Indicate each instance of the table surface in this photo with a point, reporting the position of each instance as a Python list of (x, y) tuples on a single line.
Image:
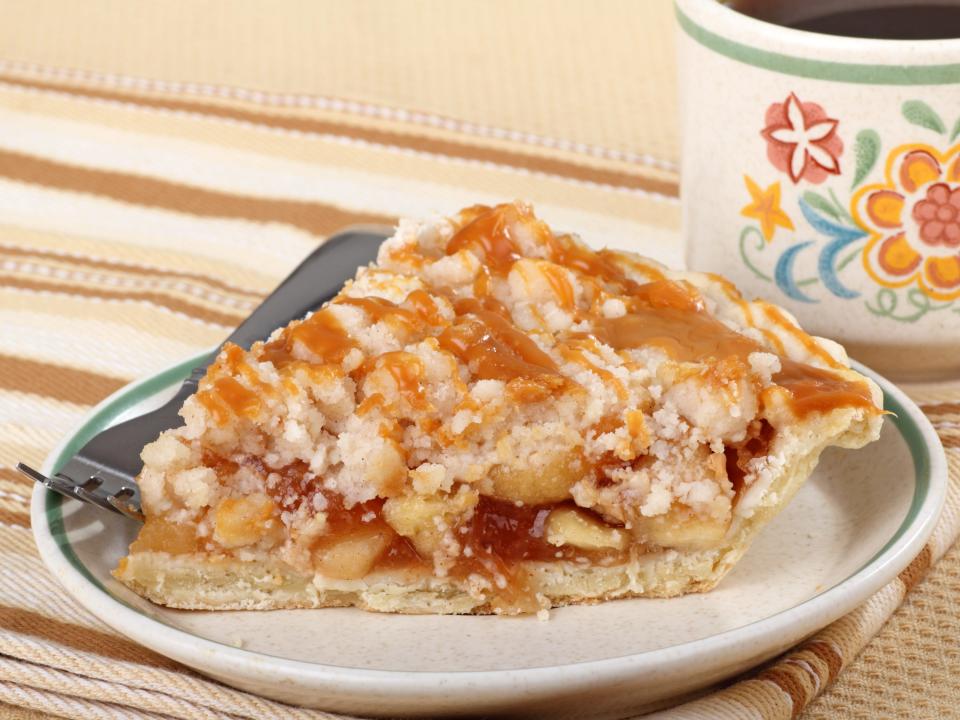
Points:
[(592, 76)]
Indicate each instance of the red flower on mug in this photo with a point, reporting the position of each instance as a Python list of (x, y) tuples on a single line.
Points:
[(802, 141)]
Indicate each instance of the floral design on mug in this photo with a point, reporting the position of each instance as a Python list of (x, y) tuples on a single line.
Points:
[(913, 219), (903, 229), (764, 206), (802, 140)]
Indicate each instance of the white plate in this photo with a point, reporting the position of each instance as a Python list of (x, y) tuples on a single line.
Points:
[(857, 522)]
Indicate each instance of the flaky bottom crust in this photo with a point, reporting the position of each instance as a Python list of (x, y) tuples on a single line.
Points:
[(200, 582)]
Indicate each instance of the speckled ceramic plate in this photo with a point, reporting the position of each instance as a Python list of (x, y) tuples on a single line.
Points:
[(856, 523)]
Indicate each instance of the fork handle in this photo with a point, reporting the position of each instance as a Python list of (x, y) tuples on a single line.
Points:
[(315, 280), (306, 288), (303, 290)]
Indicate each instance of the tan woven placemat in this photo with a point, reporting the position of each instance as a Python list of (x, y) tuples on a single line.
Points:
[(162, 166)]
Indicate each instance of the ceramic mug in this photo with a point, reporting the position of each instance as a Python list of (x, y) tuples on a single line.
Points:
[(823, 174)]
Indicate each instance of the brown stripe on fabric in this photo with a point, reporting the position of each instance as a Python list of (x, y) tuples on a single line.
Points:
[(14, 476), (20, 519), (827, 652), (917, 569), (130, 269), (950, 441), (14, 496), (56, 381), (788, 682), (58, 632), (316, 218), (18, 712), (449, 148), (227, 319), (940, 408)]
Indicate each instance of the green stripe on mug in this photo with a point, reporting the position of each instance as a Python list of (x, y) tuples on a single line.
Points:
[(821, 69)]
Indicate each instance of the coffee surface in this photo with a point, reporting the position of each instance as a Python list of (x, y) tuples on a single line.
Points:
[(906, 21)]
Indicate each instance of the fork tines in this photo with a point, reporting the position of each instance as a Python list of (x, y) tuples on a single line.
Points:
[(90, 491)]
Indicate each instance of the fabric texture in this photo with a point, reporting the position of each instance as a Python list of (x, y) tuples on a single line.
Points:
[(163, 166)]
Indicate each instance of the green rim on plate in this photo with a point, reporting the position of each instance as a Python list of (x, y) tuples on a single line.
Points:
[(863, 73), (101, 420)]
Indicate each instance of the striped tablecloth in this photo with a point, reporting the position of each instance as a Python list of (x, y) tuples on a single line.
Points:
[(163, 166)]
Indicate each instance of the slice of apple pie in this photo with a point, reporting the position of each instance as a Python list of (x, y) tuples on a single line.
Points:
[(492, 418)]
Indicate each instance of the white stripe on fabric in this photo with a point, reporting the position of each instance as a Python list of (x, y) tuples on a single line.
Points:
[(114, 349)]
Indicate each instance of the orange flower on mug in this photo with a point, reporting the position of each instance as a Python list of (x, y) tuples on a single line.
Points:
[(914, 221), (802, 141)]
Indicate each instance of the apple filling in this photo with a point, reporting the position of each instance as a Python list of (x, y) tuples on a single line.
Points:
[(528, 518)]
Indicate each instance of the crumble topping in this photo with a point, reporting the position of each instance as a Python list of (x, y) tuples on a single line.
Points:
[(484, 363)]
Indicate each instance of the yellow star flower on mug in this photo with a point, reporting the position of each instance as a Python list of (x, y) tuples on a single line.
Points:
[(765, 207)]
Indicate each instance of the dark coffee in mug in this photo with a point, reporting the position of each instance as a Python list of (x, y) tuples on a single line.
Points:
[(881, 19)]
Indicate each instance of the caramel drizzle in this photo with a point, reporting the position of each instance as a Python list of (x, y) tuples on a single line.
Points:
[(661, 313), (417, 309), (730, 290), (321, 334), (406, 369), (490, 235), (808, 342), (557, 279), (574, 354), (485, 340)]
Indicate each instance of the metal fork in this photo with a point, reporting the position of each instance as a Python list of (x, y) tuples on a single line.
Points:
[(103, 471)]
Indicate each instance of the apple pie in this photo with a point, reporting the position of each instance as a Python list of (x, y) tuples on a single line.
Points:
[(492, 418)]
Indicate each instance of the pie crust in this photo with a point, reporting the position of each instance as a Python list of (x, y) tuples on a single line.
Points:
[(492, 417)]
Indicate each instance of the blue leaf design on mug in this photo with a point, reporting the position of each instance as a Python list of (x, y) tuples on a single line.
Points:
[(841, 238), (783, 273)]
